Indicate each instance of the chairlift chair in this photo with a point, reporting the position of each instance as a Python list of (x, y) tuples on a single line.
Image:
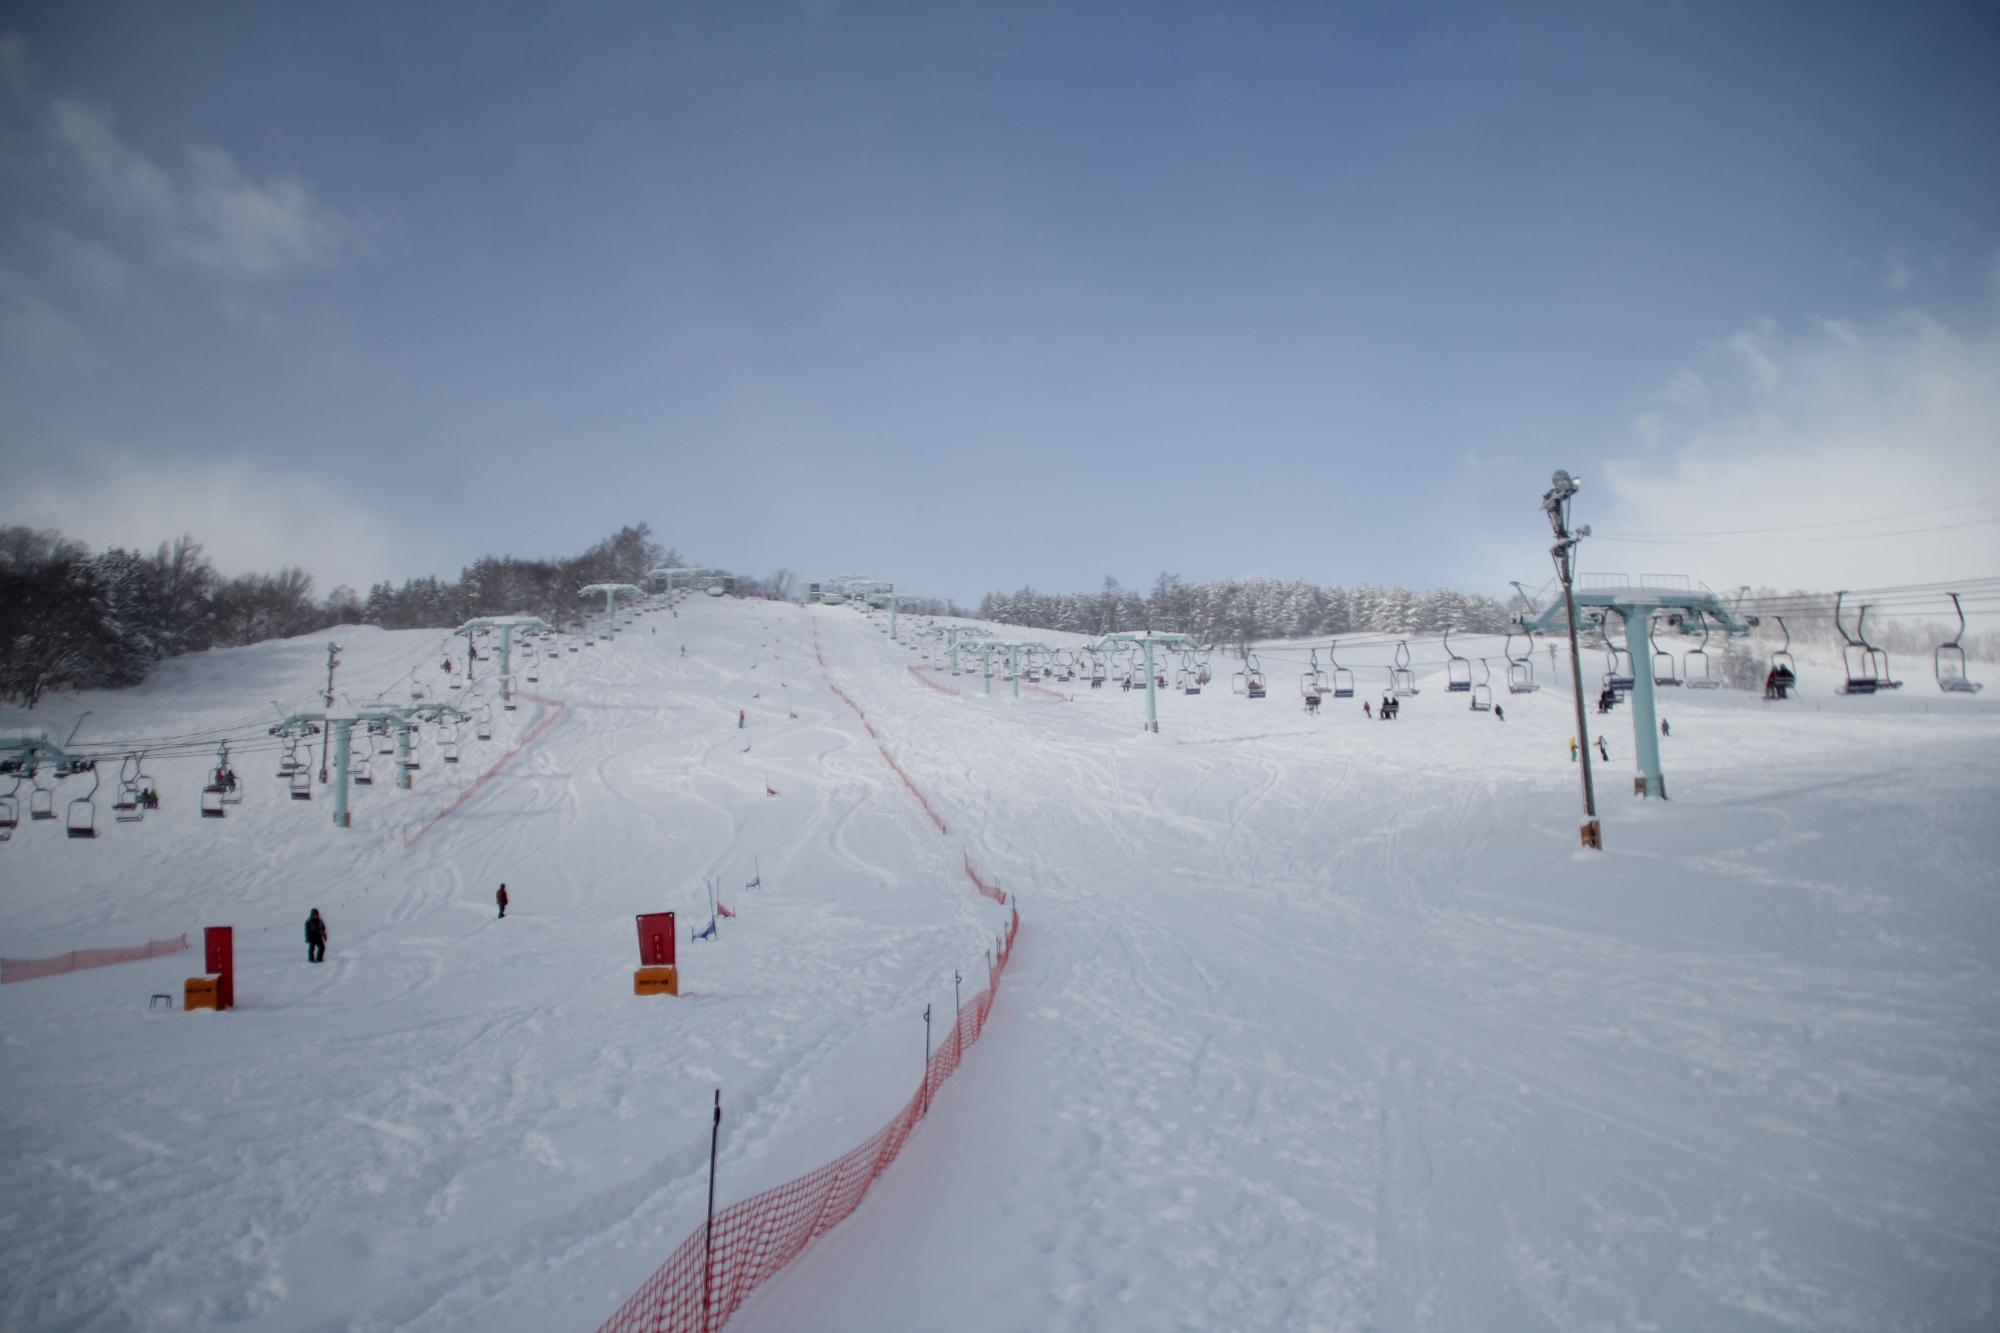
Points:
[(484, 728), (1312, 681), (1620, 676), (41, 800), (81, 820), (1857, 663), (1402, 680), (125, 807), (1664, 665), (1878, 657), (211, 803), (1949, 658), (1457, 670), (1520, 670), (1699, 671), (1343, 679), (1482, 693), (1784, 674), (302, 779), (362, 771), (10, 811)]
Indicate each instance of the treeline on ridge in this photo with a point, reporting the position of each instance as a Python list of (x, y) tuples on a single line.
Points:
[(71, 619)]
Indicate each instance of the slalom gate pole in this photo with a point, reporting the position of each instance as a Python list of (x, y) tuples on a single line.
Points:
[(708, 1238), (927, 1061), (955, 979)]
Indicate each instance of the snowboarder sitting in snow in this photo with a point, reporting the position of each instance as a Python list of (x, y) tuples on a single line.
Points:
[(315, 937)]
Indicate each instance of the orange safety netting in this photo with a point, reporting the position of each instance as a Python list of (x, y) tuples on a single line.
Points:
[(888, 759), (993, 891), (29, 969), (707, 1278), (1046, 694), (533, 733), (922, 679)]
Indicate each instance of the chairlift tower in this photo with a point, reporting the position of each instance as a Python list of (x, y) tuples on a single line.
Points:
[(339, 728), (506, 625), (1636, 603), (953, 633), (611, 592), (1147, 642), (1013, 649)]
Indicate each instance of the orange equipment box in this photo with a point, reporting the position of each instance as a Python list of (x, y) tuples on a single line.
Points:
[(654, 981), (201, 992)]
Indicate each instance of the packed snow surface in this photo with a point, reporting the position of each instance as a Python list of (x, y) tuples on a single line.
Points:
[(1315, 1022)]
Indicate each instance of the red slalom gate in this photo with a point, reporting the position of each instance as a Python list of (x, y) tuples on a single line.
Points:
[(31, 969), (709, 1275)]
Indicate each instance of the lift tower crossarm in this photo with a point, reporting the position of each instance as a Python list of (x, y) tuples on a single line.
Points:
[(1636, 604), (953, 633), (339, 728), (1148, 641), (1013, 648), (506, 625), (611, 591)]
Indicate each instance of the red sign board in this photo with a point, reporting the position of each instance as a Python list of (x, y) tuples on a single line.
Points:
[(219, 958), (656, 939)]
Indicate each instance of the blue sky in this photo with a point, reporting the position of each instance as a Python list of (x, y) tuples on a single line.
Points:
[(971, 296)]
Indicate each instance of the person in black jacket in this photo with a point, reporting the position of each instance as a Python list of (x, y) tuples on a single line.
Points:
[(315, 937)]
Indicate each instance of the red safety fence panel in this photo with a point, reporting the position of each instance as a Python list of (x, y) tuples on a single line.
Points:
[(922, 800), (993, 891), (702, 1284), (922, 679), (1047, 694), (897, 768), (480, 782), (30, 969)]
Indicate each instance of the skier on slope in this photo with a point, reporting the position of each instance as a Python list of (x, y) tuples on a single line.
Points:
[(1603, 751), (501, 898), (316, 937), (1665, 730)]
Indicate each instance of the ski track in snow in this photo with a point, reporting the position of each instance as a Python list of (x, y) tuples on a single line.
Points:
[(1317, 1023)]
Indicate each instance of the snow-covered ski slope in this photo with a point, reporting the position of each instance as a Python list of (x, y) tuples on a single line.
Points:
[(1315, 1023)]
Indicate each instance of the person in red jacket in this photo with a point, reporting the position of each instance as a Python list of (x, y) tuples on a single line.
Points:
[(501, 898)]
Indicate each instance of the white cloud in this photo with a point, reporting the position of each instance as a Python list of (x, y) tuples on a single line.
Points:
[(84, 260), (1897, 274), (243, 229), (112, 172), (210, 215), (1841, 420), (1685, 389), (34, 334), (253, 515)]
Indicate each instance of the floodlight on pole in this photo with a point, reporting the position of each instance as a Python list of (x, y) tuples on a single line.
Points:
[(1555, 503)]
